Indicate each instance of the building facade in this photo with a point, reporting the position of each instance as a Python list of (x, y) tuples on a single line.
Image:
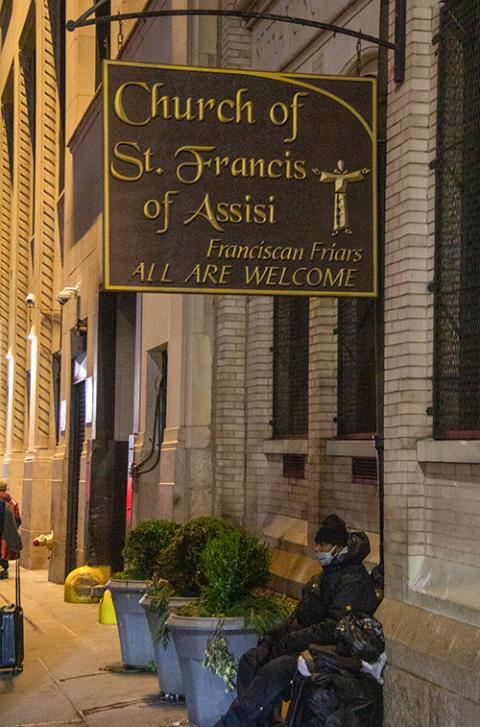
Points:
[(271, 411)]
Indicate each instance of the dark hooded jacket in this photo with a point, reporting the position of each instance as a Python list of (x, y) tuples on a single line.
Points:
[(10, 541), (342, 587)]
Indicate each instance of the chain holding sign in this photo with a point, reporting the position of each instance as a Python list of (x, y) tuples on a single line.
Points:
[(229, 181)]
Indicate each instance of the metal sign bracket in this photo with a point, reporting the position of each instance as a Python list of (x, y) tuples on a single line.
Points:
[(89, 18)]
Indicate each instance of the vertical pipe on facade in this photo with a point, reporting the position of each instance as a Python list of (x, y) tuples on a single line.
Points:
[(382, 90)]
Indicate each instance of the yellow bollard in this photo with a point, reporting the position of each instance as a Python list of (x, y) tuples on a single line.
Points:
[(79, 584), (106, 610)]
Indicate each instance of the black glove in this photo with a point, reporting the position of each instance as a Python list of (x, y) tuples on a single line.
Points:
[(292, 643)]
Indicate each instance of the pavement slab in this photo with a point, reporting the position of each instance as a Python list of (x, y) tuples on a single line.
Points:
[(66, 678)]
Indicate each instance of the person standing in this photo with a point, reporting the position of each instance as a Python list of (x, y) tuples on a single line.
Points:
[(10, 541)]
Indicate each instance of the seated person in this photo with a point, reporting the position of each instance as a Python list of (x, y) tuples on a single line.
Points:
[(265, 673), (343, 687)]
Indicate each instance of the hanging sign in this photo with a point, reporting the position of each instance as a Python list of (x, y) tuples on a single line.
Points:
[(239, 181)]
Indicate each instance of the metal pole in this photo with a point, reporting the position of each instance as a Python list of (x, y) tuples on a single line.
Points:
[(400, 30), (382, 88)]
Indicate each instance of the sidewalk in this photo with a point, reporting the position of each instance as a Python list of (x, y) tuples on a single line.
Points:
[(64, 681)]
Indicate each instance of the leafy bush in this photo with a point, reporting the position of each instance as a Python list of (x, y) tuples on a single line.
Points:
[(143, 545), (263, 610), (234, 563), (260, 609), (180, 563)]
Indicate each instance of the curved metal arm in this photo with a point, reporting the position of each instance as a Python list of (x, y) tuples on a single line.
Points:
[(86, 19)]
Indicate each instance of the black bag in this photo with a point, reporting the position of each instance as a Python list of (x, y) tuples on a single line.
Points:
[(336, 697), (361, 636), (11, 628)]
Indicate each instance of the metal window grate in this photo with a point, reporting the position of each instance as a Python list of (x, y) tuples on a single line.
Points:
[(356, 367), (364, 470), (290, 366), (457, 244), (294, 466)]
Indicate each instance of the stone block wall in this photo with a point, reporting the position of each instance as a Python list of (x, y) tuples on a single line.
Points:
[(249, 480)]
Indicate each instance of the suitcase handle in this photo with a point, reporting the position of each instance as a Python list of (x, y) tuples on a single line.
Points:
[(17, 582)]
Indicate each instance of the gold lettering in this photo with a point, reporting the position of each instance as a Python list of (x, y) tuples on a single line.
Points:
[(140, 271), (256, 275), (164, 277), (197, 163), (205, 210), (221, 117), (128, 159), (216, 274), (243, 106), (203, 106), (294, 277), (150, 272), (154, 208), (119, 107), (279, 114)]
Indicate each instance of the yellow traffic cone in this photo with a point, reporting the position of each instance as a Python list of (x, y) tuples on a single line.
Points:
[(106, 611)]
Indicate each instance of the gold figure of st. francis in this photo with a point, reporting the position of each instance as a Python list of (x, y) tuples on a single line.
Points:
[(341, 177)]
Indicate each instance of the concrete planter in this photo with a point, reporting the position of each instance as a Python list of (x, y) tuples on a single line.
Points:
[(205, 693), (135, 640), (168, 668)]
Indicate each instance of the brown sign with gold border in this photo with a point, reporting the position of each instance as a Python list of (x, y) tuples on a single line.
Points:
[(237, 181)]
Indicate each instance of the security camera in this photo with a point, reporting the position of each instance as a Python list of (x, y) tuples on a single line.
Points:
[(30, 300), (66, 294)]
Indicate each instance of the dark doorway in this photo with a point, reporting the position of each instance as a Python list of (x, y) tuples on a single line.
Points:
[(107, 504), (77, 436)]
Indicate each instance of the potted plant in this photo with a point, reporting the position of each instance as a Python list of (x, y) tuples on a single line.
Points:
[(142, 546), (177, 582), (232, 610)]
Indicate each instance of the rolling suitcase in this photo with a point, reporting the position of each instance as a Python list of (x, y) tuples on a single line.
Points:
[(11, 631)]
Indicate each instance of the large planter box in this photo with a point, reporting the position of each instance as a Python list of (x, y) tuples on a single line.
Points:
[(166, 660), (205, 693), (135, 640)]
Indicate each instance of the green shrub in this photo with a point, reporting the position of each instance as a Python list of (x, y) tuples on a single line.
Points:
[(262, 610), (143, 545), (234, 563), (180, 563)]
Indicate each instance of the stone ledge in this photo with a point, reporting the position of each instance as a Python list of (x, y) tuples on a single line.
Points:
[(437, 649), (351, 448), (290, 571), (464, 451), (285, 446), (284, 532)]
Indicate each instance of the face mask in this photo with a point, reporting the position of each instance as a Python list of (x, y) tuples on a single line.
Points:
[(325, 558)]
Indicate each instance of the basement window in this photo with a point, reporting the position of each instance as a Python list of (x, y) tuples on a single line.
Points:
[(364, 470), (294, 466)]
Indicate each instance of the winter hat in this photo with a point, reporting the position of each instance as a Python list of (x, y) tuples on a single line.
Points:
[(3, 485), (332, 530)]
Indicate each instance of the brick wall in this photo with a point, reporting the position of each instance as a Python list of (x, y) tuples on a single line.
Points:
[(249, 480), (408, 262)]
